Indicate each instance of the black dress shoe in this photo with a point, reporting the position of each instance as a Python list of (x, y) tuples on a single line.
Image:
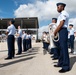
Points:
[(18, 53), (54, 58), (8, 58), (57, 66), (13, 56), (63, 71)]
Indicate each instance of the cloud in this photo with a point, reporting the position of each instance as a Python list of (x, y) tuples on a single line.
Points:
[(44, 10), (40, 9), (41, 30), (16, 3)]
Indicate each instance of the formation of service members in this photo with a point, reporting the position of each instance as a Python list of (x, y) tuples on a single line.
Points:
[(62, 23), (60, 51), (21, 37), (11, 39)]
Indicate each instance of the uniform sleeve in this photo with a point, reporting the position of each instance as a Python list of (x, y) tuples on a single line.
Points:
[(63, 17), (8, 29), (19, 31)]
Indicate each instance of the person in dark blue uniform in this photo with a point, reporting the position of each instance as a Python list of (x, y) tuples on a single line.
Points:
[(72, 37), (11, 39), (43, 39), (19, 41), (62, 24), (30, 41), (27, 41), (54, 50), (68, 38)]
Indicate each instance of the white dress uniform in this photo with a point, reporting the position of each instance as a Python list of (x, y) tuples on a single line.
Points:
[(19, 41), (71, 33), (30, 41), (11, 29), (24, 42), (63, 16), (10, 40), (63, 38), (20, 33)]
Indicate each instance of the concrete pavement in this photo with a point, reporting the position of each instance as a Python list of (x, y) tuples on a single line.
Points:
[(32, 62)]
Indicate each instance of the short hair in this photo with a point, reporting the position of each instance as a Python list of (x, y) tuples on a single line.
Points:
[(54, 19), (71, 25), (12, 21)]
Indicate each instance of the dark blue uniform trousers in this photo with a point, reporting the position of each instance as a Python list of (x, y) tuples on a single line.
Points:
[(30, 44), (56, 52), (69, 43), (43, 44), (11, 49), (72, 41), (27, 44), (63, 46), (24, 44), (19, 42), (46, 45)]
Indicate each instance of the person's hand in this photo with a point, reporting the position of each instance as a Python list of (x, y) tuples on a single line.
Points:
[(55, 33)]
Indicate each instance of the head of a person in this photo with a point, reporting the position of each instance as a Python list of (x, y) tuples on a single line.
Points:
[(54, 20), (11, 22), (60, 7), (47, 33), (71, 26), (44, 32), (19, 27), (23, 32)]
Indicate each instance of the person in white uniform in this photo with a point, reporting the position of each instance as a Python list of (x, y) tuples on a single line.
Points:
[(62, 24), (24, 41), (19, 40), (71, 33), (11, 30)]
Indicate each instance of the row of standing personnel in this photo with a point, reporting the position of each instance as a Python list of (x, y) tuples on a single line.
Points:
[(22, 37), (60, 51)]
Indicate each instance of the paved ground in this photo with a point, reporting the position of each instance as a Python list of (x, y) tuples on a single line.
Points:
[(32, 62)]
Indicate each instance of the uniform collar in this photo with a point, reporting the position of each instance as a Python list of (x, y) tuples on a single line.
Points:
[(62, 11)]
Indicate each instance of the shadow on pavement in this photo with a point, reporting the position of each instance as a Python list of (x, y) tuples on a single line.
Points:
[(72, 61), (33, 51), (3, 50), (26, 55), (29, 53), (14, 62)]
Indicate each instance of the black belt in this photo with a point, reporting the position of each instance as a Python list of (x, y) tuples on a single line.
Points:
[(63, 28), (10, 35)]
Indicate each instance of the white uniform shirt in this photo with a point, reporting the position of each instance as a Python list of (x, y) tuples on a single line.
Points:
[(11, 30), (27, 36), (63, 16), (44, 36), (71, 31), (20, 33), (24, 36)]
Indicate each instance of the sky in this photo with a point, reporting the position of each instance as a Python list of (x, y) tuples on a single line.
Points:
[(45, 10)]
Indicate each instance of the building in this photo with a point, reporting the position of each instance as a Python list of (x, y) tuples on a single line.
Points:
[(29, 24)]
